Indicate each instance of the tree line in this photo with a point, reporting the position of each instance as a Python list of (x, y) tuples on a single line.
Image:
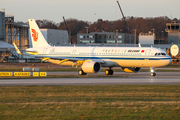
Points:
[(140, 24)]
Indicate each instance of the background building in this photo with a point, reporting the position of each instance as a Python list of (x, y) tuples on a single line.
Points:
[(2, 26), (105, 37), (11, 32), (173, 30), (54, 37), (147, 38)]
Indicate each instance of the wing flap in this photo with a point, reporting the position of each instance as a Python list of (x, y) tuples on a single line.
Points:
[(70, 59)]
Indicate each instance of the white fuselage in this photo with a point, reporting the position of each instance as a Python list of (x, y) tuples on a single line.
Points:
[(111, 56)]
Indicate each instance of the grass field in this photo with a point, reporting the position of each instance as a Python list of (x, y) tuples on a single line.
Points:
[(102, 102)]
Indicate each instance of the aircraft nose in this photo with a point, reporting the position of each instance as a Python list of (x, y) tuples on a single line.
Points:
[(170, 60)]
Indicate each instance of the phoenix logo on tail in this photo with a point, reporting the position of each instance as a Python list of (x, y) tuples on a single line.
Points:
[(34, 35)]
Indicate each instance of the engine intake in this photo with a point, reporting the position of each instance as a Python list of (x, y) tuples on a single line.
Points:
[(91, 67), (131, 69)]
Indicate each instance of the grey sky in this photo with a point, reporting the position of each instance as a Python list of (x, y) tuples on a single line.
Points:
[(90, 10)]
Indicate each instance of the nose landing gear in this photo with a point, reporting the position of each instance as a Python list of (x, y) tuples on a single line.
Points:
[(152, 71)]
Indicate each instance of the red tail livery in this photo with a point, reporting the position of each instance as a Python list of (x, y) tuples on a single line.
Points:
[(34, 35)]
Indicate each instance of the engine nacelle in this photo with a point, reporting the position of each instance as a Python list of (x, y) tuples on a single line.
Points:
[(91, 67), (131, 69)]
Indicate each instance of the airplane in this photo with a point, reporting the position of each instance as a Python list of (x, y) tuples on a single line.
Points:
[(92, 59)]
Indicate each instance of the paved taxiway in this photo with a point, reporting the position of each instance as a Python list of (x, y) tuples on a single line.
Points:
[(141, 78)]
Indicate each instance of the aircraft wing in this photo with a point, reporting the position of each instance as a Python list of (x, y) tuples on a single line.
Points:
[(68, 58), (98, 60), (59, 58)]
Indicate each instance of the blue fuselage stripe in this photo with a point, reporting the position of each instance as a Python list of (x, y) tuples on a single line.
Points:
[(115, 58), (102, 57)]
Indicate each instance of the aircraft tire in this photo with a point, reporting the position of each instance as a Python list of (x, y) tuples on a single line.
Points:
[(109, 72), (153, 74), (81, 72)]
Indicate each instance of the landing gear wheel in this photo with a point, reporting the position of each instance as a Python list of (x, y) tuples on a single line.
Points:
[(153, 74), (109, 72), (81, 72), (152, 71)]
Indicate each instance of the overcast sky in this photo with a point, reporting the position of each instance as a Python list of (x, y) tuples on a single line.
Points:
[(89, 10)]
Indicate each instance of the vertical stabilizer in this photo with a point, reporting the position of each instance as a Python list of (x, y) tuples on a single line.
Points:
[(37, 38)]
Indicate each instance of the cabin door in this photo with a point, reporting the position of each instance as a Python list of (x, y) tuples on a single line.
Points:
[(74, 53), (45, 50), (147, 53)]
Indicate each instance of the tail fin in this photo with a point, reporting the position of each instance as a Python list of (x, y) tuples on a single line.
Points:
[(37, 38)]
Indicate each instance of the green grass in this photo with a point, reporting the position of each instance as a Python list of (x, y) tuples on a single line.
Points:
[(90, 102)]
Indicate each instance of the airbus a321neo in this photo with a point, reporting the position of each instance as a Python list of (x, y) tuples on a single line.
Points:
[(92, 59)]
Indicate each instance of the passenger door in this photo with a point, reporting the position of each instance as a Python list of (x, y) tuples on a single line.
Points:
[(147, 53), (74, 53)]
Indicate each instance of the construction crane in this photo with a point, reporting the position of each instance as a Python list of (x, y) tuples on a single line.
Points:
[(67, 29), (124, 17)]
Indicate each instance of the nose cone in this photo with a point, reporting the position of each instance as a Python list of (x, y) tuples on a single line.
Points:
[(168, 60)]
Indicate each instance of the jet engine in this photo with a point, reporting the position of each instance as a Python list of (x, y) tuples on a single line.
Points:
[(91, 67), (131, 69)]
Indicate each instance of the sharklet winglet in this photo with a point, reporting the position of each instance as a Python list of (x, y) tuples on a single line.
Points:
[(18, 51)]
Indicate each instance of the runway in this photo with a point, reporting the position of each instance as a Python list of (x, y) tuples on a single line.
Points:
[(134, 75), (141, 78)]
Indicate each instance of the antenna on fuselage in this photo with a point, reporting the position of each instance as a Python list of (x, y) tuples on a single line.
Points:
[(139, 44)]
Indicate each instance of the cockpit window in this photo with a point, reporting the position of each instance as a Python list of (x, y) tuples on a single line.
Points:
[(158, 54)]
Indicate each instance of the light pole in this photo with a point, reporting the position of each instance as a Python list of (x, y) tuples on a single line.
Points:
[(135, 37), (116, 37), (153, 35), (162, 34), (153, 30), (87, 29)]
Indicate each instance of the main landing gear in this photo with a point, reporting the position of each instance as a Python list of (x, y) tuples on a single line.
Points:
[(109, 71), (81, 72), (152, 71)]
